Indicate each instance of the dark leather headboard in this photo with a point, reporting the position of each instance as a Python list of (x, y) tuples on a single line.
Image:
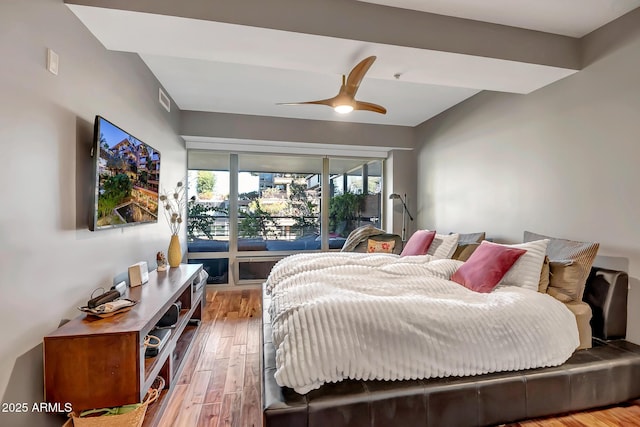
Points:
[(606, 292)]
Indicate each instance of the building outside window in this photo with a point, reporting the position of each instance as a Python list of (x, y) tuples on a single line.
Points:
[(247, 211)]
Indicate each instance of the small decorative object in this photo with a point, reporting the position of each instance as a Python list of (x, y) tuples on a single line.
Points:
[(175, 251), (121, 287), (138, 274), (174, 207), (161, 259)]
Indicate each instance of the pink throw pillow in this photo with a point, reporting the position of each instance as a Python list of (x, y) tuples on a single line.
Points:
[(486, 266), (418, 243)]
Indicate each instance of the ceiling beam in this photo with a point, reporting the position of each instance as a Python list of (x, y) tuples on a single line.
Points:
[(372, 23), (196, 125)]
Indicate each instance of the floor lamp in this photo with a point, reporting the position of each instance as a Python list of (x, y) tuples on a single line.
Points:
[(405, 212)]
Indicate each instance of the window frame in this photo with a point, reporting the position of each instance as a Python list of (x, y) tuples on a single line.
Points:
[(236, 256)]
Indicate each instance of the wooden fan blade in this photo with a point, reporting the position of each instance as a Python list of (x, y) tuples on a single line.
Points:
[(357, 74), (368, 106), (330, 102)]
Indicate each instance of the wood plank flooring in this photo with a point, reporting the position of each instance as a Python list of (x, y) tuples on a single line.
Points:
[(220, 385), (627, 415)]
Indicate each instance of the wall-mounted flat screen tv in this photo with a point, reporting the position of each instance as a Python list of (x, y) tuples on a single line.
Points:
[(127, 178)]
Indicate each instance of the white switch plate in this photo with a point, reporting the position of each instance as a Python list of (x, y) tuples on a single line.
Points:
[(52, 62)]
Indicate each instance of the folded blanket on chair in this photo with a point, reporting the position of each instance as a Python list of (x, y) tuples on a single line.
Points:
[(358, 235)]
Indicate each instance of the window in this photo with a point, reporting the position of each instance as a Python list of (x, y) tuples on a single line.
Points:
[(208, 188), (208, 207), (247, 211), (355, 195), (278, 203)]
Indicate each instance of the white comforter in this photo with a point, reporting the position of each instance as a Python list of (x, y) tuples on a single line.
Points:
[(364, 316)]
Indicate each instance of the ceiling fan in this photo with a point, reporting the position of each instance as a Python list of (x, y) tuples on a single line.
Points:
[(345, 101)]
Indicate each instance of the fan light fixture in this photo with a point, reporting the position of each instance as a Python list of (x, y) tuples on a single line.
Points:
[(343, 109), (345, 102)]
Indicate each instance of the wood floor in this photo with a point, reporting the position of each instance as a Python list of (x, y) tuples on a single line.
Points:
[(627, 415), (220, 385)]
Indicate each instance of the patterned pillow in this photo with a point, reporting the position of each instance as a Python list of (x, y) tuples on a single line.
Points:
[(443, 246), (525, 273), (579, 255), (380, 246)]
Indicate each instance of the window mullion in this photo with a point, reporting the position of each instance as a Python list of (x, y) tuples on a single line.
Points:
[(325, 196), (233, 218)]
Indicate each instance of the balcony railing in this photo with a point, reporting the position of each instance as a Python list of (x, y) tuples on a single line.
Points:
[(273, 228)]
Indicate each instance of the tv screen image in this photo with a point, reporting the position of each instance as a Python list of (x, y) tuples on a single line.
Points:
[(127, 178)]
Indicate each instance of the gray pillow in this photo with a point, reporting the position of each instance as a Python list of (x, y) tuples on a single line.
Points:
[(576, 257), (466, 238)]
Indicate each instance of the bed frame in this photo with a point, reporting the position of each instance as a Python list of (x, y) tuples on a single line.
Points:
[(603, 375)]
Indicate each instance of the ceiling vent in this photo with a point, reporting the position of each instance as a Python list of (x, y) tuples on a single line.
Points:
[(164, 100)]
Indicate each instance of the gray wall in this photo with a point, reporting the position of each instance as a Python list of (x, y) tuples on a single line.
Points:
[(399, 173), (561, 161), (49, 260), (238, 126), (400, 178)]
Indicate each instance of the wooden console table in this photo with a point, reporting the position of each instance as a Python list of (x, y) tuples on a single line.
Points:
[(96, 363)]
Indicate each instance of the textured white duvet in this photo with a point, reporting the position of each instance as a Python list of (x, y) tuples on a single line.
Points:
[(366, 316)]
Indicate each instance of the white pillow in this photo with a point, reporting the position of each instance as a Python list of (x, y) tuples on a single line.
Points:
[(525, 273), (443, 246)]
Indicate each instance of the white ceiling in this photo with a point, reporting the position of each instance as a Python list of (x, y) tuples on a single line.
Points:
[(221, 67), (574, 18)]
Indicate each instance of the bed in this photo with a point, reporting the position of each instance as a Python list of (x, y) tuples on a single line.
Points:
[(565, 381)]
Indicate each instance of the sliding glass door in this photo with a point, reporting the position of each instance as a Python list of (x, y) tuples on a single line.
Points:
[(247, 211), (278, 203)]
